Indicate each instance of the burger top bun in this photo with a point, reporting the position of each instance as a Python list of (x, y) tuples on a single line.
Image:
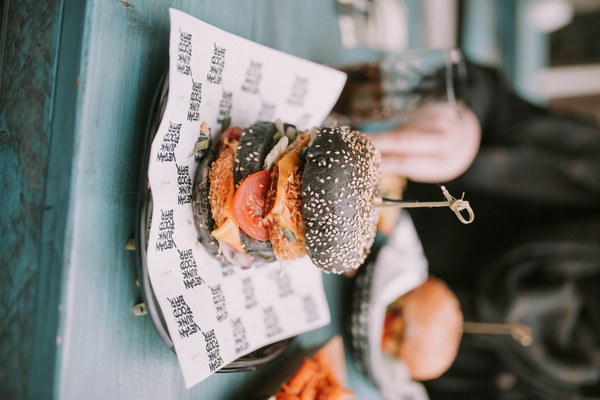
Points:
[(339, 186), (433, 329)]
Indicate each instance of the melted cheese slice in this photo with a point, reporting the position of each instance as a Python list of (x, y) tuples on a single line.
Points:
[(286, 167), (229, 231)]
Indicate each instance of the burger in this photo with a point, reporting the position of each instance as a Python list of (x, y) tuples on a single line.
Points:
[(423, 328), (271, 192)]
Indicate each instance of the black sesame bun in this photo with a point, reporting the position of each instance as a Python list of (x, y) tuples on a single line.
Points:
[(257, 141), (260, 251), (339, 187), (203, 219), (255, 144)]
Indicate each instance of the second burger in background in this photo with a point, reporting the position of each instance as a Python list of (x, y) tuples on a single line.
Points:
[(423, 328)]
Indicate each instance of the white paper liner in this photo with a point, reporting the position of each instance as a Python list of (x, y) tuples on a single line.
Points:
[(215, 314)]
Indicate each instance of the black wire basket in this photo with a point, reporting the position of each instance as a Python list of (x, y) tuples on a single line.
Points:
[(251, 361)]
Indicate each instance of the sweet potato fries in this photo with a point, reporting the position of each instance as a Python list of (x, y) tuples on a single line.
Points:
[(314, 380)]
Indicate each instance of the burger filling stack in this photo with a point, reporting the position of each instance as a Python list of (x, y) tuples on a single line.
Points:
[(270, 192)]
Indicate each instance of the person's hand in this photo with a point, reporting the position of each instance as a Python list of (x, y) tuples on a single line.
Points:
[(436, 144)]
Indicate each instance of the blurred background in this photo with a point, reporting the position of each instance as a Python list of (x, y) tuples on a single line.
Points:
[(77, 81), (549, 52), (548, 49)]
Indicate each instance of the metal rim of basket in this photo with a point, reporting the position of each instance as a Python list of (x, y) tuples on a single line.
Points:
[(359, 323)]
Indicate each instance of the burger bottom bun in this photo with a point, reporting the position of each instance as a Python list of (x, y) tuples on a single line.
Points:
[(433, 329)]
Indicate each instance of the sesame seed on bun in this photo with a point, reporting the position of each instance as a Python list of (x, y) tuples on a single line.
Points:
[(339, 186)]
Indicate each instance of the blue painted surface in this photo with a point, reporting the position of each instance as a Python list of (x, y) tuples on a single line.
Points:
[(69, 195), (34, 193), (497, 33), (416, 33), (480, 31), (531, 55), (507, 36)]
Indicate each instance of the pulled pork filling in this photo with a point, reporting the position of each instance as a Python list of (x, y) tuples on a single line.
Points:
[(283, 208), (221, 190), (284, 203), (288, 244)]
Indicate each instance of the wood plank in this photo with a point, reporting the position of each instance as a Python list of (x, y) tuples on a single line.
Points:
[(30, 36), (111, 57)]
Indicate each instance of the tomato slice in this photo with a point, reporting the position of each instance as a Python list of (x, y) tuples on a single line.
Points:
[(229, 134), (249, 204)]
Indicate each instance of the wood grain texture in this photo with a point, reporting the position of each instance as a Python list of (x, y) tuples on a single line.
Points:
[(101, 105), (30, 37)]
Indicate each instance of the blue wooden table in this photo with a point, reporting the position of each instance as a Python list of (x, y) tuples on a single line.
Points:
[(77, 84)]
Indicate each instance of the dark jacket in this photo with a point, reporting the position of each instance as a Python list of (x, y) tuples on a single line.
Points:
[(531, 256)]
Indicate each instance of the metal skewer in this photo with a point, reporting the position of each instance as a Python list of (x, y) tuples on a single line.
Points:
[(456, 205), (520, 332)]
